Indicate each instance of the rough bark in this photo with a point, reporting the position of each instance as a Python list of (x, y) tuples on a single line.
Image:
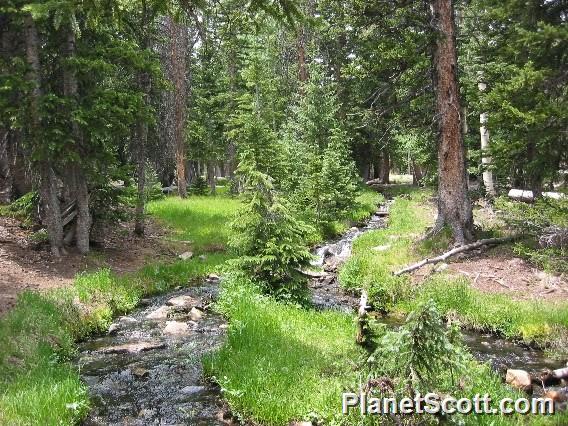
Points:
[(454, 206), (48, 185), (141, 135), (79, 187), (179, 46)]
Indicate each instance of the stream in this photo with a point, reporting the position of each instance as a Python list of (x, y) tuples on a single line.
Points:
[(147, 369)]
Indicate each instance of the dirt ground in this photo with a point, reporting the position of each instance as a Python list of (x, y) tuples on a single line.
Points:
[(498, 270), (26, 266)]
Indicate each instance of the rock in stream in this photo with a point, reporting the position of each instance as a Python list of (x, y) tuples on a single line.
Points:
[(148, 370)]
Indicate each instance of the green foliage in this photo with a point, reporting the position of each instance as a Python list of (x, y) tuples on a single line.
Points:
[(421, 353), (533, 218), (24, 208), (319, 173), (199, 186), (533, 322), (281, 362), (268, 239)]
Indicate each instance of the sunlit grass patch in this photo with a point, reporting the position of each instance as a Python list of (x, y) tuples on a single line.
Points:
[(203, 220), (282, 362)]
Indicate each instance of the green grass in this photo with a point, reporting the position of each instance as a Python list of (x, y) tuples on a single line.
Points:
[(38, 385), (202, 220), (540, 323), (282, 362)]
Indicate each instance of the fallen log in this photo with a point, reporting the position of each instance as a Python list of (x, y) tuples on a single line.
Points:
[(362, 319), (454, 251)]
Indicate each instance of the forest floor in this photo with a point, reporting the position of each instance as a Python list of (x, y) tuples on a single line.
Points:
[(27, 265)]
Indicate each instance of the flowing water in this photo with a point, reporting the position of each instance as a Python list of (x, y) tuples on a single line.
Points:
[(147, 370)]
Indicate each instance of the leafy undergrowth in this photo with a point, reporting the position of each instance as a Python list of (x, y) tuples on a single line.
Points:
[(282, 362), (531, 321), (38, 384)]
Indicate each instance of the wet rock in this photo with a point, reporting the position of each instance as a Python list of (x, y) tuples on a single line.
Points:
[(183, 302), (186, 255), (192, 390), (113, 328), (196, 314), (133, 348), (145, 302), (140, 372), (127, 320), (519, 379), (382, 248), (160, 314), (214, 278), (145, 413), (176, 327)]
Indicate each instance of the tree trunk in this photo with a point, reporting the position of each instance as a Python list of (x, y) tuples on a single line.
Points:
[(385, 166), (141, 139), (485, 158), (6, 176), (79, 187), (179, 47), (141, 135), (211, 177), (48, 185), (454, 207)]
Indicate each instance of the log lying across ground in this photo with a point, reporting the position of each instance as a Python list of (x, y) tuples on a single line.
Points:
[(454, 251)]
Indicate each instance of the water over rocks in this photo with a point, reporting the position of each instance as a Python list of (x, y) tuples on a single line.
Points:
[(148, 369)]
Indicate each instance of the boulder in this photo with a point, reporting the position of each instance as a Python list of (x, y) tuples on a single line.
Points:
[(519, 379), (176, 327), (186, 255), (195, 314), (183, 302), (140, 372), (160, 314)]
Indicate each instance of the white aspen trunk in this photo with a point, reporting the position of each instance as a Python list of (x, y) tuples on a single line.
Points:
[(485, 158)]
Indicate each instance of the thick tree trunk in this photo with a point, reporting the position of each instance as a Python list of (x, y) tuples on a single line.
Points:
[(48, 186), (454, 207), (179, 47), (79, 187)]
